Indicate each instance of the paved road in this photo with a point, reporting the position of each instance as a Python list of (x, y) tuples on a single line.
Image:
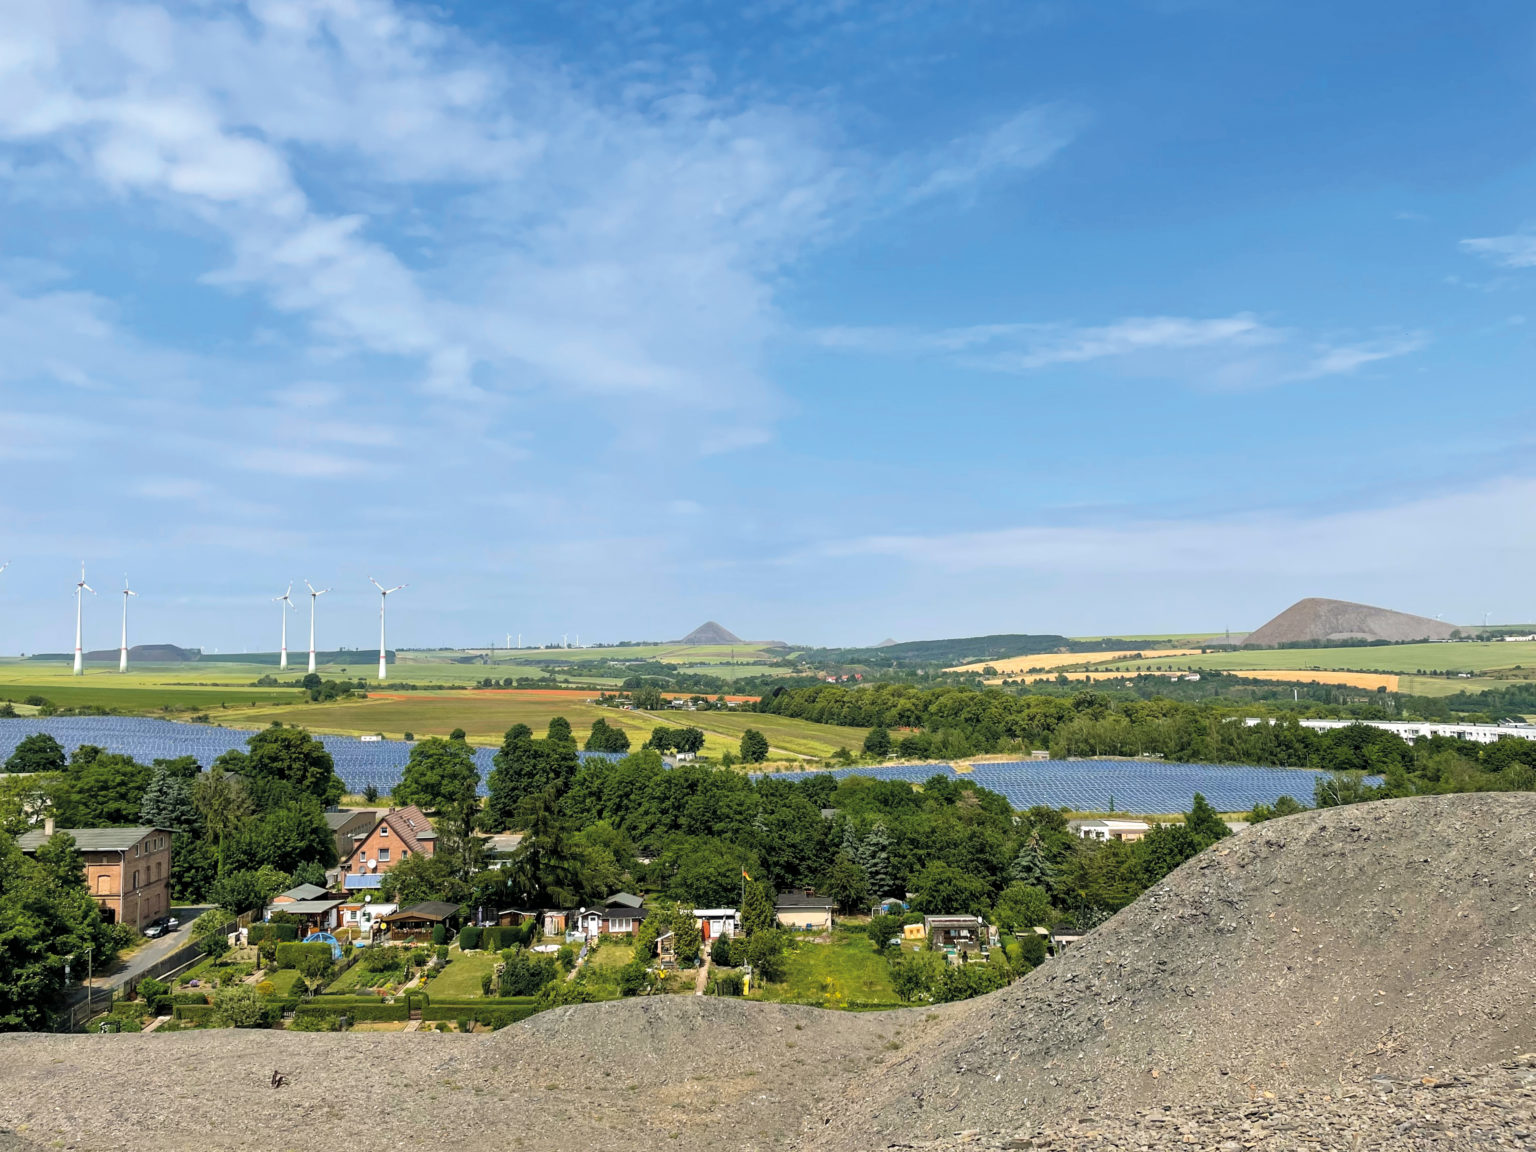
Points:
[(141, 961)]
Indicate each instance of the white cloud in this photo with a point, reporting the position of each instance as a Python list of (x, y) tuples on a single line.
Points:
[(1517, 250), (407, 192), (1227, 352)]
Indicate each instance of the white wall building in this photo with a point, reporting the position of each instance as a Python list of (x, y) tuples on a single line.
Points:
[(1411, 730)]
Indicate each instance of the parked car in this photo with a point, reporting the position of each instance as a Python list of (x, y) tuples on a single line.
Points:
[(171, 923), (155, 930)]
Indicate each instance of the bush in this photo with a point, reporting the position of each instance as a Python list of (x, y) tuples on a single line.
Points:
[(198, 1013), (439, 934), (150, 989), (720, 952), (724, 984), (314, 1022), (239, 1007), (280, 933), (557, 993), (765, 952), (442, 953), (178, 998), (469, 938), (290, 955), (367, 1010), (566, 957), (523, 973), (633, 978)]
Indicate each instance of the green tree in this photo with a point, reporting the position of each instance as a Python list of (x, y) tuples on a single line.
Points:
[(688, 739), (421, 877), (39, 752), (1204, 824), (916, 976), (1031, 866), (289, 755), (239, 1006), (847, 885), (941, 889), (524, 768), (757, 909), (439, 774), (878, 742), (874, 856), (167, 802), (222, 801), (560, 730), (103, 789), (765, 952), (754, 746), (1021, 908)]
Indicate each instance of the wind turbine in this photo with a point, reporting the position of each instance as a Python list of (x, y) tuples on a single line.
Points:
[(287, 602), (383, 599), (80, 589), (313, 596), (122, 652)]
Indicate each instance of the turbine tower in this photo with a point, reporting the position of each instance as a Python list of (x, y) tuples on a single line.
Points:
[(313, 596), (286, 601), (383, 599), (122, 652), (80, 589)]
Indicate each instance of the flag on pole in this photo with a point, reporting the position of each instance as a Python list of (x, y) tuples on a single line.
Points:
[(744, 875)]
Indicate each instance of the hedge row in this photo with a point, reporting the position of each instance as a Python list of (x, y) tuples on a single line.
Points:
[(371, 1011), (497, 937), (480, 1012), (283, 933), (192, 1011)]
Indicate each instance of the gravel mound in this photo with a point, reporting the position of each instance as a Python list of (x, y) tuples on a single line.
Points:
[(1316, 952), (1318, 619), (677, 1072)]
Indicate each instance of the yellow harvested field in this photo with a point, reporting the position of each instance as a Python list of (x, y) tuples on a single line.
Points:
[(1045, 660), (1371, 680)]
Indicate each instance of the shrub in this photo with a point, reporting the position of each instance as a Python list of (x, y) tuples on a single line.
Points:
[(469, 938), (633, 978), (485, 984), (266, 988), (239, 1007), (523, 973), (566, 957), (442, 953), (724, 984), (464, 1024), (439, 934), (198, 1013), (560, 992), (314, 1022), (178, 998), (151, 989), (290, 954), (720, 952)]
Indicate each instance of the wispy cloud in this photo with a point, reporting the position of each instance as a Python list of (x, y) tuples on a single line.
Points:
[(1516, 250), (1235, 351), (577, 242), (1384, 540)]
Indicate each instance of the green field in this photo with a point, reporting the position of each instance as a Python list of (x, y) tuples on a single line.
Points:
[(486, 716), (1472, 656), (165, 686), (662, 653), (857, 971)]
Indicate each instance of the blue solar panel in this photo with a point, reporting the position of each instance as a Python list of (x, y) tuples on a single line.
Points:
[(1152, 786), (359, 763), (1084, 785)]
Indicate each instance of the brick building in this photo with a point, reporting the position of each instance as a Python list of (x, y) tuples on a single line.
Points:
[(394, 838), (128, 870)]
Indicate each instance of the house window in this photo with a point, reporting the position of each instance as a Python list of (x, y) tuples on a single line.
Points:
[(101, 884), (383, 829), (159, 869), (135, 877), (383, 855)]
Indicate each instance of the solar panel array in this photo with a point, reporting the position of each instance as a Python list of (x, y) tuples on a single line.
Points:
[(359, 763), (1084, 785), (1151, 786)]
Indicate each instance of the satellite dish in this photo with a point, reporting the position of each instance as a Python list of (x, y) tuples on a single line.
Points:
[(367, 897), (373, 865)]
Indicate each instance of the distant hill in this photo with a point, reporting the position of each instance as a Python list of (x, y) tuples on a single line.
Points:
[(711, 633), (886, 643), (969, 649), (1316, 620), (147, 654)]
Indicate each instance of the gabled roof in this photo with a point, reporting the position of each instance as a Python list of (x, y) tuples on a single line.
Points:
[(336, 817), (623, 900), (801, 900), (409, 826), (304, 892), (426, 910), (89, 839), (308, 907)]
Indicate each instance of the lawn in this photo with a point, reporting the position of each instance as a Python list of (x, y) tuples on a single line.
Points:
[(611, 954), (462, 976), (857, 971), (287, 981)]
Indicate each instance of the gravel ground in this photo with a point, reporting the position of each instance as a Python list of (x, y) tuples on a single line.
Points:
[(1306, 984), (1493, 1108)]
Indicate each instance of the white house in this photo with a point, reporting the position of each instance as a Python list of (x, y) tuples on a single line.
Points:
[(715, 922), (1128, 830)]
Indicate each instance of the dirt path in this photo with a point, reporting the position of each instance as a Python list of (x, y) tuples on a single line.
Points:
[(701, 981)]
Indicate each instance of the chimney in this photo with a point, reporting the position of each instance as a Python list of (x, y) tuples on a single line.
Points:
[(47, 826)]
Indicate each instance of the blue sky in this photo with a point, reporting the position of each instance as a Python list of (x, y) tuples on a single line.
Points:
[(829, 321)]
